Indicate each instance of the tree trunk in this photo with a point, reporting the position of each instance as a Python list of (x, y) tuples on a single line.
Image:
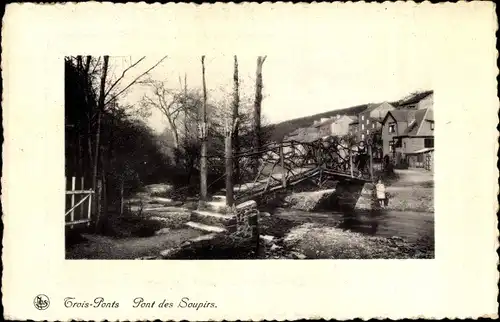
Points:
[(103, 203), (185, 109), (121, 196), (204, 128), (173, 127), (100, 108), (87, 67), (229, 167), (257, 112), (79, 63), (236, 104)]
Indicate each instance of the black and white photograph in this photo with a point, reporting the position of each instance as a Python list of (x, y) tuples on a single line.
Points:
[(237, 162), (204, 158)]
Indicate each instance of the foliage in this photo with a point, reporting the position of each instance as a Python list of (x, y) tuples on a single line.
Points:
[(129, 151)]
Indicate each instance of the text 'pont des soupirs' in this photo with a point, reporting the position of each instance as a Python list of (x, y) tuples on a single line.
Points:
[(139, 303)]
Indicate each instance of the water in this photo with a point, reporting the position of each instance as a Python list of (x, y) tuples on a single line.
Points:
[(412, 226)]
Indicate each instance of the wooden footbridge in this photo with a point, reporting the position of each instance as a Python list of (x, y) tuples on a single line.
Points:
[(291, 162), (273, 167)]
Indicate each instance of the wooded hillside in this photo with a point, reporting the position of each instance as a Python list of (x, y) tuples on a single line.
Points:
[(281, 129)]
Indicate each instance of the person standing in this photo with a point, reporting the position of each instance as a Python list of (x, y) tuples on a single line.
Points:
[(380, 189), (362, 156)]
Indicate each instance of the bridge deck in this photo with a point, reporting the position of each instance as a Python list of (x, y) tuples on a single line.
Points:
[(274, 181)]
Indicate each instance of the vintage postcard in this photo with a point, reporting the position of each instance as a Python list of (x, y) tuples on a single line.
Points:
[(249, 162)]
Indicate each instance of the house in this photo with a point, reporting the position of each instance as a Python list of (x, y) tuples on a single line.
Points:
[(408, 135), (341, 125), (334, 126), (300, 135), (323, 126), (306, 134), (423, 158), (370, 120), (354, 127), (417, 101)]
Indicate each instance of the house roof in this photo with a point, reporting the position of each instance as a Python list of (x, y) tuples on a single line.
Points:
[(415, 124), (325, 122), (421, 151), (303, 130), (398, 115), (415, 98), (430, 115), (303, 137), (371, 107), (335, 119), (354, 119)]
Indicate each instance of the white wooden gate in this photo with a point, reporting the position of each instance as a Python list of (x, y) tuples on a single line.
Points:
[(78, 203)]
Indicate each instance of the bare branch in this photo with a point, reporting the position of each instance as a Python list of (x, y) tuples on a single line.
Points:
[(96, 64), (123, 75), (136, 79)]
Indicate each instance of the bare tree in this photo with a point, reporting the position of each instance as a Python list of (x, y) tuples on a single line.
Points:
[(257, 109), (236, 104), (100, 109), (203, 151), (99, 104), (167, 101), (134, 81)]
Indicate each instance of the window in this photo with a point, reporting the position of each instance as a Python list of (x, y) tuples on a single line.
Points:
[(373, 125), (432, 126), (362, 117), (392, 127), (367, 131), (429, 143), (367, 121), (362, 126), (362, 136), (404, 146), (391, 146)]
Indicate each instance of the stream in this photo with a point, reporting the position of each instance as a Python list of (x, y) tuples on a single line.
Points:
[(412, 226)]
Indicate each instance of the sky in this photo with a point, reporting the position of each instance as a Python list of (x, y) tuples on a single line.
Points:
[(363, 68)]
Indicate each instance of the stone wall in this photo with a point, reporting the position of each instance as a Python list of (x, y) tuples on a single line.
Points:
[(365, 200), (240, 240), (245, 224), (310, 201)]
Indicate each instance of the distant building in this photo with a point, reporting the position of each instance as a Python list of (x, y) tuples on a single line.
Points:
[(304, 134), (371, 119), (354, 127), (334, 126), (408, 135)]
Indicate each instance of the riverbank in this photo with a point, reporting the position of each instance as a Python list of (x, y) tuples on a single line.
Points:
[(412, 191), (322, 242), (287, 234), (409, 190), (355, 235)]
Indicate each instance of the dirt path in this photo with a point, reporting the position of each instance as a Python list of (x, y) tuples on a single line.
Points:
[(413, 191), (413, 177), (102, 247)]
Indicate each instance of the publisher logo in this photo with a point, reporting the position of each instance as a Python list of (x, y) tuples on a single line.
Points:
[(41, 302)]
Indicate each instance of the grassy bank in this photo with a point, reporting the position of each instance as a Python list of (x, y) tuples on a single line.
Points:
[(130, 236)]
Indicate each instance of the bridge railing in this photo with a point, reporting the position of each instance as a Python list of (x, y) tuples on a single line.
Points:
[(278, 165)]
